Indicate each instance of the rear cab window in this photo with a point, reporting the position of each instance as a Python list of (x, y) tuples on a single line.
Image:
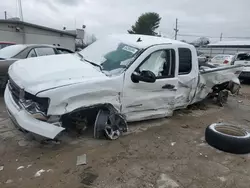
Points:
[(185, 61)]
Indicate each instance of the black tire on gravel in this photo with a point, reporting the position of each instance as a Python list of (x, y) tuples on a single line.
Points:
[(228, 138)]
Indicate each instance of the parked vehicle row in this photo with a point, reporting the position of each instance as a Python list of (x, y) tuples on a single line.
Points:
[(5, 44), (118, 79), (11, 54), (240, 58), (222, 59)]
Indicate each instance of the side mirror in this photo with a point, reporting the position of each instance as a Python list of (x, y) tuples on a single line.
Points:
[(144, 76)]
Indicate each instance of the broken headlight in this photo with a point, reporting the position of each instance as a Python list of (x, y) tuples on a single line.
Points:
[(36, 106)]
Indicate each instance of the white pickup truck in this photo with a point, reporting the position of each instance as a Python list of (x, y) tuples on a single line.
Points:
[(118, 79)]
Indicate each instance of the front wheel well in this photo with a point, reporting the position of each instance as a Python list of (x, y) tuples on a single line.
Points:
[(85, 117)]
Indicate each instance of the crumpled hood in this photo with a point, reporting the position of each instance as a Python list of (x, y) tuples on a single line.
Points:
[(42, 73)]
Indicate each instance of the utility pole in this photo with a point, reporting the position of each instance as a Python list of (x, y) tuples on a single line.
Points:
[(20, 10), (5, 15), (221, 36), (176, 29)]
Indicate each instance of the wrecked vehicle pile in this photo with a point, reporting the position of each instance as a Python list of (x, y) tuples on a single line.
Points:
[(119, 79)]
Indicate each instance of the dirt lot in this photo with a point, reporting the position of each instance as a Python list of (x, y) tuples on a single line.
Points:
[(165, 153)]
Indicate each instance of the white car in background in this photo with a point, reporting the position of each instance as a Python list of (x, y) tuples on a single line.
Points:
[(222, 59), (243, 58)]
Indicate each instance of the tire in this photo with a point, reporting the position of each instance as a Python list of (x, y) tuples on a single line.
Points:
[(228, 138)]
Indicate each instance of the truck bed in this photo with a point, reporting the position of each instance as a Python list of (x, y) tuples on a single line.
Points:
[(210, 77)]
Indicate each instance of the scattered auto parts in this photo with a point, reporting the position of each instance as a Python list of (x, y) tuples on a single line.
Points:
[(228, 138)]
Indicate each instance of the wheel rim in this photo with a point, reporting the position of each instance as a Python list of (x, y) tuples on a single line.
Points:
[(112, 130), (111, 133)]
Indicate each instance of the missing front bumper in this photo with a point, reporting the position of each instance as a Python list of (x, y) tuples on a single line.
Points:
[(27, 122)]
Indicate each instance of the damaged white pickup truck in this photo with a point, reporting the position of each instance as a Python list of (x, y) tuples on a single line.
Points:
[(119, 79)]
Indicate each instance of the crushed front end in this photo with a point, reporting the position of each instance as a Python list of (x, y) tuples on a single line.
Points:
[(29, 112)]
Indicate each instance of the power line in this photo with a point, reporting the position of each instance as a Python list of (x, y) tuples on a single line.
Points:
[(229, 37)]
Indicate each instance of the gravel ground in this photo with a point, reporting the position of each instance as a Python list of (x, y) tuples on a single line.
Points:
[(165, 153)]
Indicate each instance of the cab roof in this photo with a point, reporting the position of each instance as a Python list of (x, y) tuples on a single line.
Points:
[(145, 41)]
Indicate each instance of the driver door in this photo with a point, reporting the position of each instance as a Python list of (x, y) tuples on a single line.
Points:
[(144, 100)]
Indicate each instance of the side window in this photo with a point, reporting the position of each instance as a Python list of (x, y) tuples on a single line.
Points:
[(45, 51), (161, 63), (185, 61), (32, 53)]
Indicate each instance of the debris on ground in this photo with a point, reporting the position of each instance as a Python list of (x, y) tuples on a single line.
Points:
[(38, 173), (185, 126), (1, 168), (164, 181), (81, 160), (50, 170), (223, 179), (23, 143), (29, 165), (9, 181), (173, 143), (20, 167), (88, 178), (240, 101)]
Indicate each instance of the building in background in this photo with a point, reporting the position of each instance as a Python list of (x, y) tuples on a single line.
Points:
[(225, 47), (80, 38), (27, 33)]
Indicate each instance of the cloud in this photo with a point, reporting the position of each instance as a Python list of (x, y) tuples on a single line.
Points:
[(103, 17)]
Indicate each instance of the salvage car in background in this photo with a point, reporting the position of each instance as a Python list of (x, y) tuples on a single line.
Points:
[(10, 54), (202, 58), (115, 80), (243, 58), (5, 44), (222, 59)]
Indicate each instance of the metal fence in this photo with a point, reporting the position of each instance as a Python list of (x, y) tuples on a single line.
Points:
[(211, 52)]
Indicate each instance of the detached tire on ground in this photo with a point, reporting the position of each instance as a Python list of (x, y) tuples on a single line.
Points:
[(228, 138)]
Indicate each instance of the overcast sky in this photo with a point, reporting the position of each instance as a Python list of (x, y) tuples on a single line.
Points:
[(103, 17)]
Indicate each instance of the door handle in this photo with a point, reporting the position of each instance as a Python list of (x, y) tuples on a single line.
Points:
[(168, 86)]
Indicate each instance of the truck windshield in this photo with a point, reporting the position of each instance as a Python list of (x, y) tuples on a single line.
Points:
[(11, 51), (110, 53)]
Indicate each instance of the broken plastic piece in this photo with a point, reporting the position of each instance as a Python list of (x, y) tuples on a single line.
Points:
[(38, 173), (81, 160), (20, 167)]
